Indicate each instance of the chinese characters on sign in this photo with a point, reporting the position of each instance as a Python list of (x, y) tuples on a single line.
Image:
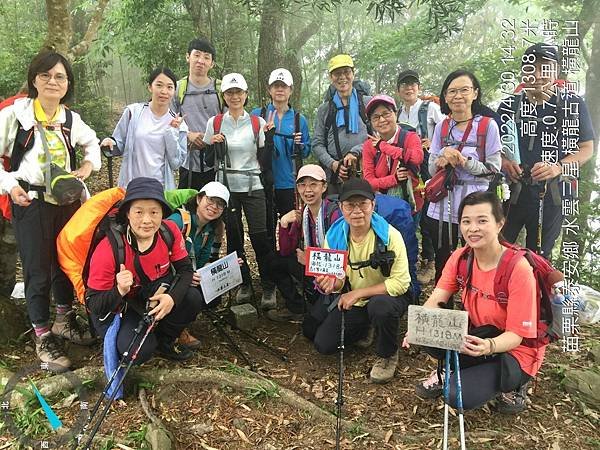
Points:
[(220, 276), (439, 328), (321, 261)]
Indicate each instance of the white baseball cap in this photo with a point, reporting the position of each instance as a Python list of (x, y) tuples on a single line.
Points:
[(216, 189), (234, 80), (282, 75)]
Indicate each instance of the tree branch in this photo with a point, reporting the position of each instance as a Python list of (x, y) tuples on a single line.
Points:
[(82, 47), (303, 36)]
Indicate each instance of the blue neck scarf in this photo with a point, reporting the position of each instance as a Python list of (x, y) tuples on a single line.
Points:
[(353, 113)]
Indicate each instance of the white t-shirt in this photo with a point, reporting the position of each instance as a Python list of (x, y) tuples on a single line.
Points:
[(434, 116), (150, 144)]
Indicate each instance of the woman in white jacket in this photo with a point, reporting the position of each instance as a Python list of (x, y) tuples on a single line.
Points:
[(151, 138), (31, 129)]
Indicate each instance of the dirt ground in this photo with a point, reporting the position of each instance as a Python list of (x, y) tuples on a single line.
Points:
[(202, 416)]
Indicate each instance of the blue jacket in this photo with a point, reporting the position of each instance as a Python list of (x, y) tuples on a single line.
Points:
[(283, 164)]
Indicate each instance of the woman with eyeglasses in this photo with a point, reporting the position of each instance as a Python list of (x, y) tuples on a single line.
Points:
[(466, 143), (151, 138), (392, 157), (206, 219), (31, 129)]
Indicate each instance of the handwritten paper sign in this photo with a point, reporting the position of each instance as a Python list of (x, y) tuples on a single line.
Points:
[(435, 327), (322, 261), (220, 276)]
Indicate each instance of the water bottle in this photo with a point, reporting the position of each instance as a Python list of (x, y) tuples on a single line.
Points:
[(556, 328)]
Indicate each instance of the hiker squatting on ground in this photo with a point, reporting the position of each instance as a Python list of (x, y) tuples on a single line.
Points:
[(370, 296), (118, 302), (298, 229), (238, 142), (461, 100), (291, 136), (423, 116), (494, 362), (150, 137), (536, 170), (200, 220), (37, 218), (340, 128), (197, 98)]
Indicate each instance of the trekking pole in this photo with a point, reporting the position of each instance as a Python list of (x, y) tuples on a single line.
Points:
[(256, 341), (216, 323), (449, 187), (151, 322), (459, 400), (107, 152), (340, 393), (446, 398), (541, 218)]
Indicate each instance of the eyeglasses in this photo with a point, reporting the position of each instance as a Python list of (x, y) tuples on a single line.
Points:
[(406, 84), (363, 205), (313, 185), (462, 91), (385, 116), (346, 72), (232, 92), (60, 78), (217, 202)]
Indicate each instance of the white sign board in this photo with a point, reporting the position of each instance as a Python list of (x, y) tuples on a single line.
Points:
[(220, 276), (322, 261), (436, 327)]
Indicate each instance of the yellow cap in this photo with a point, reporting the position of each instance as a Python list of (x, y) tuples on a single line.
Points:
[(340, 61)]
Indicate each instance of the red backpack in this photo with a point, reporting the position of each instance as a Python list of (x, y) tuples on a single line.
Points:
[(545, 275)]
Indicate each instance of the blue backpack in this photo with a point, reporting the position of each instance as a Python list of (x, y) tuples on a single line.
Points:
[(398, 213)]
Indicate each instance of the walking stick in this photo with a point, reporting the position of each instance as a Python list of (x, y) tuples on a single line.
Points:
[(459, 400), (107, 152), (446, 398), (340, 393), (541, 218)]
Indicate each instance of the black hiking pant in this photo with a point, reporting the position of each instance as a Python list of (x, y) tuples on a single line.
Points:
[(296, 288), (383, 311), (36, 228), (444, 249), (167, 330), (199, 179)]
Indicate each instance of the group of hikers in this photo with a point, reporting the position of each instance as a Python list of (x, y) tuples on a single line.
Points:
[(367, 148)]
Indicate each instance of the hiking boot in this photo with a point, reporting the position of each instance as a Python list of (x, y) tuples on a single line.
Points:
[(50, 351), (174, 352), (269, 298), (73, 328), (283, 315), (426, 271), (244, 294), (513, 402), (431, 388), (367, 341), (384, 368), (186, 339)]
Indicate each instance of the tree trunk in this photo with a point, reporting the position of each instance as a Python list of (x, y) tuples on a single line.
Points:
[(270, 44), (60, 31), (12, 317)]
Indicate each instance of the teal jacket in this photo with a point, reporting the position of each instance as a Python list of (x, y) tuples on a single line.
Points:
[(202, 239)]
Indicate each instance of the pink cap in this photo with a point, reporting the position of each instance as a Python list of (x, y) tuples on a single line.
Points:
[(313, 171), (378, 99)]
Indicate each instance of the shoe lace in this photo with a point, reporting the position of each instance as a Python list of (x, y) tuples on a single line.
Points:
[(51, 346)]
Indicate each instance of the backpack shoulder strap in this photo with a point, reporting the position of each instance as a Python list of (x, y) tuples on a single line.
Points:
[(182, 90), (464, 268), (115, 239), (255, 127), (217, 123), (23, 143), (511, 256), (330, 207), (65, 129), (444, 132), (482, 129), (329, 123), (263, 112), (422, 117), (186, 218), (167, 236)]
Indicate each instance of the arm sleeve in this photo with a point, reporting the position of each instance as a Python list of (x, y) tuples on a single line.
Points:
[(369, 168), (120, 132), (102, 295), (183, 268), (176, 145), (319, 140), (434, 116), (210, 131), (288, 238), (8, 131), (86, 138), (399, 280)]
